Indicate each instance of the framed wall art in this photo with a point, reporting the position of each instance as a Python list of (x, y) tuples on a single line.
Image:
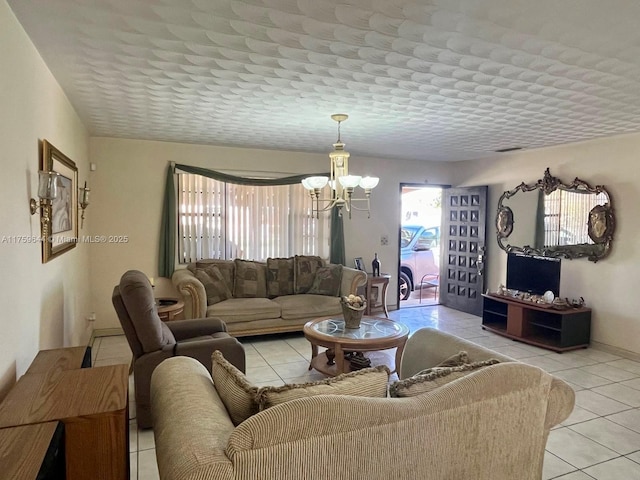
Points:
[(63, 211)]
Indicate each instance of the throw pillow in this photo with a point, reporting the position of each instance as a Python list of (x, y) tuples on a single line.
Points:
[(235, 391), (279, 276), (368, 382), (304, 271), (456, 360), (432, 378), (226, 267), (251, 281), (214, 285), (327, 281)]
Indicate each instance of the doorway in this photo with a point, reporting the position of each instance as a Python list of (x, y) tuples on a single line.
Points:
[(420, 245)]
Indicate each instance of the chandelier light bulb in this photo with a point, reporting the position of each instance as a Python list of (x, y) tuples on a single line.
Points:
[(369, 183), (317, 182), (349, 181)]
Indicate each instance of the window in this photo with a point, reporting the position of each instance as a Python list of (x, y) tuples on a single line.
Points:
[(564, 217), (226, 221)]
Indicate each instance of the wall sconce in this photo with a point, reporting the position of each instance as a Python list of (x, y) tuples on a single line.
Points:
[(47, 191), (84, 201)]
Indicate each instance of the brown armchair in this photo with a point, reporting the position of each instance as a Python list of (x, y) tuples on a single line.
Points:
[(153, 341)]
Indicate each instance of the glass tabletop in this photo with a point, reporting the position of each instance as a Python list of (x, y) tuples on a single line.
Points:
[(370, 328)]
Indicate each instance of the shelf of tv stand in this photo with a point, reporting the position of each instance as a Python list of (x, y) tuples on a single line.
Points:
[(557, 330)]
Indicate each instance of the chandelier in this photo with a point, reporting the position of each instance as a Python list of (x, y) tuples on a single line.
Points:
[(342, 184)]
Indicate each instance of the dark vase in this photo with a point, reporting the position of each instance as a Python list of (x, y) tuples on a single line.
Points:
[(376, 266)]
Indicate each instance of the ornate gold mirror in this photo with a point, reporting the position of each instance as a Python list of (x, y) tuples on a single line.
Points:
[(555, 219)]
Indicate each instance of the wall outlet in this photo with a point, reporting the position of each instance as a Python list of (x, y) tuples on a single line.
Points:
[(384, 240)]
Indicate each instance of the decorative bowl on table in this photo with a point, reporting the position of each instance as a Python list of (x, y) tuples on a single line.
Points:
[(353, 307)]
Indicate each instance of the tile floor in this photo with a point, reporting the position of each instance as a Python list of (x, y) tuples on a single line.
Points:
[(600, 440)]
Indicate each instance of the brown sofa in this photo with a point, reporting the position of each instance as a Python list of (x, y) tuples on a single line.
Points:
[(265, 297), (491, 424), (152, 341)]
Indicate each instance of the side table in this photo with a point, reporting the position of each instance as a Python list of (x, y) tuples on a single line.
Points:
[(169, 308), (377, 301)]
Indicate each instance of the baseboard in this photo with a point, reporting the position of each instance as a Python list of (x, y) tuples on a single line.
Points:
[(104, 332), (616, 351)]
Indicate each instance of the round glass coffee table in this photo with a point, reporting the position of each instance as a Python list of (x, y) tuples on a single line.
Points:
[(374, 335)]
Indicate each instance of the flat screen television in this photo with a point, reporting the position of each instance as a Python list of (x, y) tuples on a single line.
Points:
[(533, 274)]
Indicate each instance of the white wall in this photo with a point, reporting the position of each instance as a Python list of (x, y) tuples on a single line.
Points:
[(128, 186), (43, 306), (609, 286)]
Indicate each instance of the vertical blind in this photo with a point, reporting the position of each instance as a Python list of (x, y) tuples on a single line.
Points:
[(224, 220), (564, 217)]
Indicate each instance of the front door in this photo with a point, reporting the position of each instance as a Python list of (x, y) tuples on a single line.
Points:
[(463, 248)]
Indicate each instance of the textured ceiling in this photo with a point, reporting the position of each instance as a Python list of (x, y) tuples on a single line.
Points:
[(426, 80)]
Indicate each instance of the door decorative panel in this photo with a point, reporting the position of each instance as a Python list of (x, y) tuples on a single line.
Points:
[(464, 228)]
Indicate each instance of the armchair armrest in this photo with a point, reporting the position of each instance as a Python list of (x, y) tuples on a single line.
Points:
[(195, 327), (192, 292), (351, 280)]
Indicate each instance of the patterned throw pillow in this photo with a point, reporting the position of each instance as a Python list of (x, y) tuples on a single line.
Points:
[(279, 276), (368, 382), (304, 271), (251, 281), (456, 360), (226, 267), (432, 378), (235, 391), (327, 281), (214, 285)]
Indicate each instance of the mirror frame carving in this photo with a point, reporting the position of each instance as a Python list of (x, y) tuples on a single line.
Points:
[(600, 228)]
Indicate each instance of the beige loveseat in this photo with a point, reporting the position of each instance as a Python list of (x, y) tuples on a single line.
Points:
[(279, 295), (491, 424)]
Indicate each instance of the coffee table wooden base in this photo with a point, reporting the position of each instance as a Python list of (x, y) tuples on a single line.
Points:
[(378, 337), (386, 357)]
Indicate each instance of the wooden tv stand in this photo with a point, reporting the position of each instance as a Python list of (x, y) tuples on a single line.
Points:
[(542, 326)]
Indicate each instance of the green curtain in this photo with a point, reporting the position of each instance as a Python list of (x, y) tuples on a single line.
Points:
[(166, 260), (260, 182), (337, 238), (168, 232)]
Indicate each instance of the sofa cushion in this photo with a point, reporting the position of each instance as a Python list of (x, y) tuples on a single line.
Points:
[(244, 309), (250, 279), (226, 267), (235, 391), (279, 276), (432, 378), (214, 284), (304, 305), (327, 281), (304, 271), (368, 382)]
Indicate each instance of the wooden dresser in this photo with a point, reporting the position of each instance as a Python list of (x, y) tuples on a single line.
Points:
[(91, 402)]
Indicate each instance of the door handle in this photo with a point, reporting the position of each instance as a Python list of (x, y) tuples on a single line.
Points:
[(480, 262)]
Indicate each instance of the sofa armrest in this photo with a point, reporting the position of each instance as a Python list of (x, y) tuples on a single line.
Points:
[(192, 292), (351, 280), (196, 327), (191, 425), (427, 347), (562, 399)]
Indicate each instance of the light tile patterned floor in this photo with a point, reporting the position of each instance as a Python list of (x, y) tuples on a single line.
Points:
[(600, 440)]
